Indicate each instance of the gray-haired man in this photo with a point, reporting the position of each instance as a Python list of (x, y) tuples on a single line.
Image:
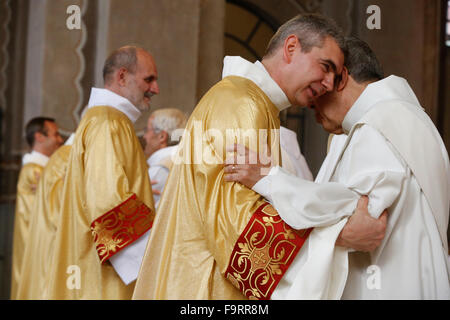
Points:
[(161, 141)]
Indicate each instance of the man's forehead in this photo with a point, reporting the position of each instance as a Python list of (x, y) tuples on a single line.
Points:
[(149, 73), (145, 57), (50, 125), (332, 54)]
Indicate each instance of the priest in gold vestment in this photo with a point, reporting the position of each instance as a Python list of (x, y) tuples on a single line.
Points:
[(217, 240), (43, 138), (36, 262), (107, 203)]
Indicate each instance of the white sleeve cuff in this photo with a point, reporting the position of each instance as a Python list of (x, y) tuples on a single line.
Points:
[(128, 261), (263, 186)]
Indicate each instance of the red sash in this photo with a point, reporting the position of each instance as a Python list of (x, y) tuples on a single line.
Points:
[(263, 253), (121, 226)]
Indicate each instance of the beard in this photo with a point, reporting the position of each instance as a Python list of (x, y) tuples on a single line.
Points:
[(139, 99), (144, 105)]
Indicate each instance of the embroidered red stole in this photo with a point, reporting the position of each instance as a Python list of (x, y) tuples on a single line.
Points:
[(263, 253), (121, 226)]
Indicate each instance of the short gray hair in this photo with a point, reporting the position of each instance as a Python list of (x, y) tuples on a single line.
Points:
[(361, 62), (124, 57), (168, 120), (310, 29)]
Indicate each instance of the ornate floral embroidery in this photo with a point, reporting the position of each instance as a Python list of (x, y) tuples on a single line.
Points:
[(120, 227), (263, 253)]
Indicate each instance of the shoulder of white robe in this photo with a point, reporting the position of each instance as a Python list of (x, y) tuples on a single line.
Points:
[(405, 128)]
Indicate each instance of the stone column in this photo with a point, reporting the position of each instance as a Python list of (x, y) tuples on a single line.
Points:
[(13, 35), (55, 63), (211, 45)]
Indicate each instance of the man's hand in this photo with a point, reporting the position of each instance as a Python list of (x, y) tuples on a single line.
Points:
[(155, 192), (362, 232), (248, 168)]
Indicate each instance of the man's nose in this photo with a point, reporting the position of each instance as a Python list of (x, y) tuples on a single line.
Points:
[(328, 82), (154, 88)]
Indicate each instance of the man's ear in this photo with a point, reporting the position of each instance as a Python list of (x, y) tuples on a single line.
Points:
[(344, 79), (121, 76), (290, 45), (163, 138), (39, 137)]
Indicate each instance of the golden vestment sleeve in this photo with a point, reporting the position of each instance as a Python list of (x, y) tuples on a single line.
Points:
[(36, 262), (105, 194), (201, 217), (26, 191)]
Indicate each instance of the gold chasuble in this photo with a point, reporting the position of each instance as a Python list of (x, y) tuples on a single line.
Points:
[(106, 204), (214, 239), (39, 249), (26, 191)]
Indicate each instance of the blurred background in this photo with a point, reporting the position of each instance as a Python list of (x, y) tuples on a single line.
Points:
[(47, 68)]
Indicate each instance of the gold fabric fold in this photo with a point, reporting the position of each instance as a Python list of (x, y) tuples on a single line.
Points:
[(106, 166), (200, 217), (26, 191), (39, 248)]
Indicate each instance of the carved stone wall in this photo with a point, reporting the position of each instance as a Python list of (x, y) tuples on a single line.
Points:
[(13, 31), (63, 65), (185, 36), (408, 43)]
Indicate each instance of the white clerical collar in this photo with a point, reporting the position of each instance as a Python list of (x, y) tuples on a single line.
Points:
[(160, 155), (69, 140), (388, 89), (105, 97), (256, 72), (35, 157)]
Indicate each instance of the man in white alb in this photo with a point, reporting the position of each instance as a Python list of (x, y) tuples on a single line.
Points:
[(160, 145)]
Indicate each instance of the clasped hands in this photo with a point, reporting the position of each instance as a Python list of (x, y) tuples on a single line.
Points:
[(362, 232)]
